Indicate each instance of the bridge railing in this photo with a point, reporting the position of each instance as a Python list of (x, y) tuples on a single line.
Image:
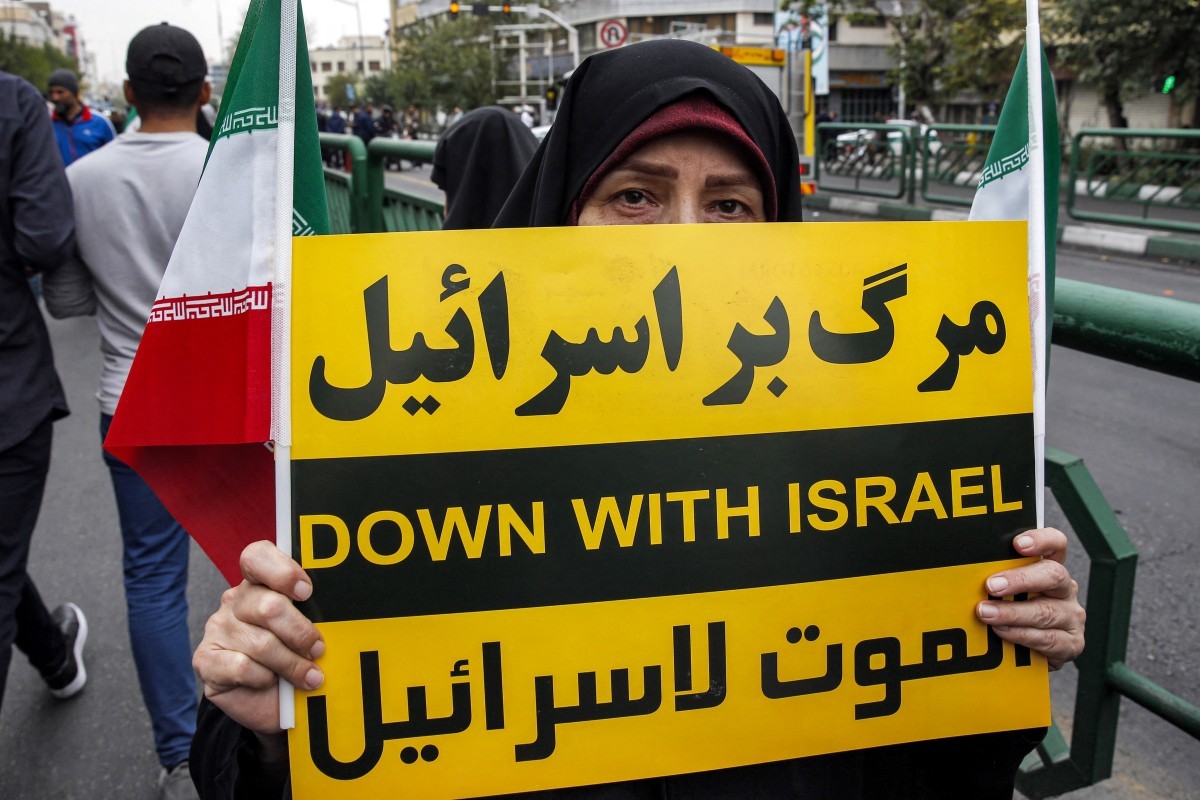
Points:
[(1161, 335), (360, 201), (1145, 178), (345, 191)]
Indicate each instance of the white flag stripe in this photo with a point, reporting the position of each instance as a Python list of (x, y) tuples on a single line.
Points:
[(228, 241)]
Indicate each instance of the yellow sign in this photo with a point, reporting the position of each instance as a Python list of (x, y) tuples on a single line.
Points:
[(756, 56), (584, 505)]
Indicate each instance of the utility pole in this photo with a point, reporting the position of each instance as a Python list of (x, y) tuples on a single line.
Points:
[(362, 58)]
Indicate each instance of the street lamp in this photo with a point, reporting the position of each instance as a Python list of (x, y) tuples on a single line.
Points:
[(358, 14)]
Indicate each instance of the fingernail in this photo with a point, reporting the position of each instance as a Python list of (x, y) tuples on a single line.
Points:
[(302, 591), (988, 611), (997, 585), (318, 650), (999, 627), (314, 678), (1024, 542)]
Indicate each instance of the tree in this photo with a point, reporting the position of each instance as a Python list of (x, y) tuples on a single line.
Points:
[(443, 63), (34, 64), (949, 47), (335, 89), (1126, 47), (945, 46)]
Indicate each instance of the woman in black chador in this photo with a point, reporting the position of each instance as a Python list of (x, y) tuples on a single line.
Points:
[(658, 132)]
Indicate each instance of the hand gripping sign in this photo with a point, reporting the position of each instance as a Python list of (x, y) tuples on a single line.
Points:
[(594, 504)]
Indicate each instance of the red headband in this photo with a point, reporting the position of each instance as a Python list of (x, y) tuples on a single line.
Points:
[(695, 112)]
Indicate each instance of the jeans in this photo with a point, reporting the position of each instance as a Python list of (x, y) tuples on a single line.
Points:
[(24, 620), (156, 573)]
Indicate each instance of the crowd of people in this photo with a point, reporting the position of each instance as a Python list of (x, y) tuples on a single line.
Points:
[(657, 132)]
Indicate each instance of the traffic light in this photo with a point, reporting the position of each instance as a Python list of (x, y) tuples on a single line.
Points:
[(552, 99), (1168, 84), (506, 8), (454, 11)]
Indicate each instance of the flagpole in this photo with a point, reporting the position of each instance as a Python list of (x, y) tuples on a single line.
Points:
[(281, 306), (1037, 247)]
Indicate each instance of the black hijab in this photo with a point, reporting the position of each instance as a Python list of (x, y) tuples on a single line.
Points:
[(476, 163), (611, 93)]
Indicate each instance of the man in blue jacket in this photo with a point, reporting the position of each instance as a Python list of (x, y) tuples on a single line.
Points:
[(78, 129)]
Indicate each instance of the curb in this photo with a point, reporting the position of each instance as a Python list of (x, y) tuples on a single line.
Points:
[(1085, 236)]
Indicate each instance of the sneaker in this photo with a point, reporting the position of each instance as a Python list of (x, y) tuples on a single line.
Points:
[(176, 783), (71, 677)]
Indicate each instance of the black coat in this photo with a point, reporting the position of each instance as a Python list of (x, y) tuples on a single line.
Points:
[(477, 162)]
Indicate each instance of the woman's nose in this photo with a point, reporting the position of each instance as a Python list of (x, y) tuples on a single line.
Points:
[(686, 211)]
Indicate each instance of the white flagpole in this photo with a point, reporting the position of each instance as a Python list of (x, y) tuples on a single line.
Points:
[(281, 307), (1037, 247)]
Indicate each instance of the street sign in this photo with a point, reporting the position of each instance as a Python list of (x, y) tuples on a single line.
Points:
[(613, 33)]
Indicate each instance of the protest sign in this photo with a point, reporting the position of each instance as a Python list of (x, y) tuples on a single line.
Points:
[(591, 504)]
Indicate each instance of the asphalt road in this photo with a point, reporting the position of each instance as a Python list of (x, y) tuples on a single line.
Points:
[(1138, 431)]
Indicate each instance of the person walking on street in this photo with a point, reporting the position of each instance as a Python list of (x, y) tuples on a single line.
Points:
[(364, 127), (38, 230), (78, 130), (130, 203), (335, 124)]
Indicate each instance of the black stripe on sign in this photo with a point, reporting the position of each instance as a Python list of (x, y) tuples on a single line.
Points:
[(568, 572)]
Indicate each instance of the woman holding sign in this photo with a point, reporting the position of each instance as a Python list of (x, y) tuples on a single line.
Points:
[(659, 132)]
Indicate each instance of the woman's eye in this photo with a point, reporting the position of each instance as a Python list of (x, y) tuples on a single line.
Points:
[(731, 207), (633, 197)]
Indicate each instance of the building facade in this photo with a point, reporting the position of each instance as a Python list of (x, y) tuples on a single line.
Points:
[(859, 52), (361, 58)]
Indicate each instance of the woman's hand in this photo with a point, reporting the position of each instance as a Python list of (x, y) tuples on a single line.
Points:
[(1052, 622), (258, 636)]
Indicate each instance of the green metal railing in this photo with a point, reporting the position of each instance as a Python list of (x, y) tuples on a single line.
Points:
[(1158, 334), (396, 210), (951, 160), (868, 159), (361, 202), (1155, 171), (1143, 178), (346, 192)]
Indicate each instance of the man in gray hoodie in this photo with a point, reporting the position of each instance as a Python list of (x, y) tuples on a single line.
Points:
[(131, 199)]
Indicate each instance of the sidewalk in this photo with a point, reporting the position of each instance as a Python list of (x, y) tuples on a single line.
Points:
[(1087, 235)]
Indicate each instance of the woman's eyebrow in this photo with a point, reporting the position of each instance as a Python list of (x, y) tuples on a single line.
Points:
[(649, 168), (731, 179)]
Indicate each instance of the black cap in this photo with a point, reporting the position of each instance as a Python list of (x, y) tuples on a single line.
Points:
[(64, 78), (165, 56)]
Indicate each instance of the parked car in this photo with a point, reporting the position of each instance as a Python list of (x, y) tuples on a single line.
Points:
[(863, 143)]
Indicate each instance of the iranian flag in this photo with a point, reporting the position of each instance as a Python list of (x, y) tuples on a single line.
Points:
[(196, 418), (1020, 181)]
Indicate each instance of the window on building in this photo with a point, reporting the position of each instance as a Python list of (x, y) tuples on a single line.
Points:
[(314, 66), (862, 105), (866, 19), (359, 67), (764, 19), (341, 66), (326, 66), (372, 66)]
